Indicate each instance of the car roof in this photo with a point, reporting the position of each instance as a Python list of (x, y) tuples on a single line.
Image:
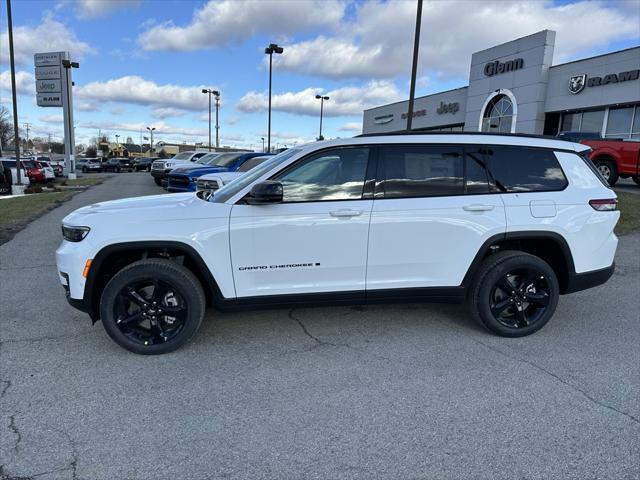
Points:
[(449, 138)]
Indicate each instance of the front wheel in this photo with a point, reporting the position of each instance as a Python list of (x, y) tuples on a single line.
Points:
[(152, 306), (636, 179), (514, 294), (158, 181), (84, 170)]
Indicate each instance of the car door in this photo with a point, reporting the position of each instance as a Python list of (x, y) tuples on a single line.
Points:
[(316, 239), (431, 214)]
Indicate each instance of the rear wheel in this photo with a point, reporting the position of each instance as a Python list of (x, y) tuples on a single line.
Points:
[(514, 294), (608, 170), (152, 306)]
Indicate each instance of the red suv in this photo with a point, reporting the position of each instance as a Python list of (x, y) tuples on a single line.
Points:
[(35, 174)]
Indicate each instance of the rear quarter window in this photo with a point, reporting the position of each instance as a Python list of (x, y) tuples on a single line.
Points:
[(521, 169)]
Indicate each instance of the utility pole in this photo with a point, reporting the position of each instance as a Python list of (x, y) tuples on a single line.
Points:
[(270, 50), (27, 126), (16, 128), (49, 143), (414, 68)]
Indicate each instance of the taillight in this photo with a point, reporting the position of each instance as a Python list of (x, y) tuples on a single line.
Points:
[(604, 205)]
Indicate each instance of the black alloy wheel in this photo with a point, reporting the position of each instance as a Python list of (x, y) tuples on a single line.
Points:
[(152, 306), (150, 312), (520, 298), (514, 293)]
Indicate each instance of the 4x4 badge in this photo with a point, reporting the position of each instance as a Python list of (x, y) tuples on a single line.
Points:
[(577, 83)]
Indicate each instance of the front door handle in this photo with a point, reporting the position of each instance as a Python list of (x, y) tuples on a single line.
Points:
[(476, 207), (345, 213)]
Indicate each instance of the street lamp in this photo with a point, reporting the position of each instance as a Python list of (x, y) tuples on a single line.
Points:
[(270, 50), (322, 99), (414, 66), (151, 129), (262, 138), (216, 94), (118, 143)]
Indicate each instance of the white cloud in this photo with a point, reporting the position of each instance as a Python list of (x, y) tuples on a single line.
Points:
[(345, 101), (166, 112), (220, 23), (85, 106), (137, 90), (55, 119), (99, 8), (50, 36), (351, 127), (25, 82), (161, 128), (378, 40)]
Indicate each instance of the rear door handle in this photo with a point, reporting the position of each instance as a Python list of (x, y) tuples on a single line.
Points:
[(476, 207), (345, 213)]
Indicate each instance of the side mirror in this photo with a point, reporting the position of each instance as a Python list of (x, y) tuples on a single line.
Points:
[(264, 193)]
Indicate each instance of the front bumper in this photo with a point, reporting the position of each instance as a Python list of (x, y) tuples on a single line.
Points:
[(160, 173), (583, 281)]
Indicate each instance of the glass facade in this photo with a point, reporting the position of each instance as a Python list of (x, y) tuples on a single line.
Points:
[(619, 122)]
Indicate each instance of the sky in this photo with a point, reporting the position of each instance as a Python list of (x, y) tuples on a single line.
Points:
[(144, 62)]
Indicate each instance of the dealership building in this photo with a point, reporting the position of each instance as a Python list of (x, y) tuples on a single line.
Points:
[(515, 88)]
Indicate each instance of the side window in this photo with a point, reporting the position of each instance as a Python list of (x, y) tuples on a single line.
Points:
[(421, 171), (330, 175), (476, 180), (518, 169)]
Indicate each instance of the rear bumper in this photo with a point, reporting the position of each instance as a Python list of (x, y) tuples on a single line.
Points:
[(583, 281)]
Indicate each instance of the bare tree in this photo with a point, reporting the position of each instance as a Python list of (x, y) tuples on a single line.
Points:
[(6, 129)]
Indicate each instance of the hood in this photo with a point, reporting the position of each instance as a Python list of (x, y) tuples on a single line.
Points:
[(188, 168)]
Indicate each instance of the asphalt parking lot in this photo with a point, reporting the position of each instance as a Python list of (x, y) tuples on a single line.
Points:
[(397, 392)]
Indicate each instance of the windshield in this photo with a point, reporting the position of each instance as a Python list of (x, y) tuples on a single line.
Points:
[(251, 163), (225, 159), (208, 158), (231, 188), (183, 156)]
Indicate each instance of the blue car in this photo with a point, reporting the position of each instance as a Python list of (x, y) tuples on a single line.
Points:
[(184, 179)]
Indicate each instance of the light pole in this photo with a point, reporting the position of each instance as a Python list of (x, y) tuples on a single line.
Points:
[(27, 126), (151, 129), (16, 127), (270, 50), (215, 93), (262, 138), (322, 99), (118, 143), (414, 67)]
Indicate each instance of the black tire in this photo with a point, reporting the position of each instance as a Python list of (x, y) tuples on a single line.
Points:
[(608, 170), (117, 170), (636, 179), (141, 326), (84, 170), (158, 181), (531, 302)]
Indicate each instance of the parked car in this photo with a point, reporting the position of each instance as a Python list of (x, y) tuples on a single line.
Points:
[(49, 173), (161, 168), (578, 136), (9, 164), (615, 158), (117, 165), (183, 179), (143, 163), (92, 165), (213, 181), (5, 179), (508, 223), (34, 172)]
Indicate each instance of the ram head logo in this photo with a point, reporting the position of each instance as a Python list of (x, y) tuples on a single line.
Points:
[(577, 83)]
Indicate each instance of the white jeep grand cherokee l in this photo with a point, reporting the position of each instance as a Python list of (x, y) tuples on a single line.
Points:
[(505, 222)]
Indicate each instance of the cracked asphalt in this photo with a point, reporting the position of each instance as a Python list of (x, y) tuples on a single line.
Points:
[(384, 392)]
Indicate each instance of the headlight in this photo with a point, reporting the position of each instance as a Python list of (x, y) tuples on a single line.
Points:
[(74, 234)]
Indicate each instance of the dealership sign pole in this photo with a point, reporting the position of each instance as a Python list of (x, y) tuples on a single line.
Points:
[(53, 88), (16, 128)]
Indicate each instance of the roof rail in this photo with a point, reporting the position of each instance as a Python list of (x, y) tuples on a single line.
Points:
[(491, 134)]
